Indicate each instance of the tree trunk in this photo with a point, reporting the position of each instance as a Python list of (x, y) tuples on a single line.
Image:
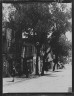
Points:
[(38, 54), (44, 57), (26, 67), (42, 73), (18, 54), (55, 62)]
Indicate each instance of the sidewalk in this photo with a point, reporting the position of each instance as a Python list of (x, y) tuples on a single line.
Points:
[(58, 81), (8, 81)]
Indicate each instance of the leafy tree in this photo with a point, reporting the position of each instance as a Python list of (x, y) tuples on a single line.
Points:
[(35, 17), (61, 17), (39, 20)]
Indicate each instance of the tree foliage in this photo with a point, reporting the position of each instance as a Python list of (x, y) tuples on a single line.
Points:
[(38, 21), (41, 18), (61, 24)]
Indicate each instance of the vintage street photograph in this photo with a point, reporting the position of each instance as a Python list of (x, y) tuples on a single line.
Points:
[(37, 47)]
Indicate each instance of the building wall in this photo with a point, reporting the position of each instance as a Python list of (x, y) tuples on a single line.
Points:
[(29, 53), (5, 72), (6, 43)]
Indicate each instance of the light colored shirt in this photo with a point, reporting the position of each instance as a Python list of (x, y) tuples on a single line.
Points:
[(49, 57)]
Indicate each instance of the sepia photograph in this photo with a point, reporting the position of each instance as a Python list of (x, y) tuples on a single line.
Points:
[(37, 47)]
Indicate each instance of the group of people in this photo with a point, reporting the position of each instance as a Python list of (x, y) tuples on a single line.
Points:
[(50, 59), (53, 61)]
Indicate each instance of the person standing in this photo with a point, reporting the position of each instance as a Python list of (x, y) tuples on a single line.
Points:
[(54, 61), (50, 59), (13, 72)]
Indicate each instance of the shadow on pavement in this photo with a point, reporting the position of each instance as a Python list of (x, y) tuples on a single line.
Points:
[(70, 90), (57, 71), (23, 78), (50, 75), (9, 81)]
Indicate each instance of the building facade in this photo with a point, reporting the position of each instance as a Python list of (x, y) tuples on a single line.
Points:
[(6, 43), (28, 58)]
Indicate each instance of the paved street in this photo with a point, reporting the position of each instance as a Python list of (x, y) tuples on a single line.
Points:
[(58, 81)]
